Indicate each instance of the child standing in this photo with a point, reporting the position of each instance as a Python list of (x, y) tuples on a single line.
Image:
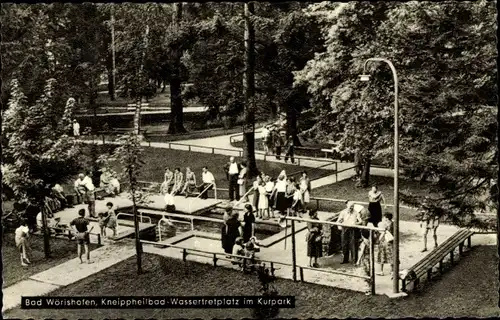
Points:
[(263, 204), (384, 254)]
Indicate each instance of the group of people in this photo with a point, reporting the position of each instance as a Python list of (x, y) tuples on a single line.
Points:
[(175, 182), (276, 142), (285, 195), (85, 189)]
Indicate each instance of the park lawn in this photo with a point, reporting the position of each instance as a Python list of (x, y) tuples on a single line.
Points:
[(469, 289), (156, 159), (346, 189), (62, 251)]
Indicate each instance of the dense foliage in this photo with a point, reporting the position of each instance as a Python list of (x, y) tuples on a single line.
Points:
[(445, 56)]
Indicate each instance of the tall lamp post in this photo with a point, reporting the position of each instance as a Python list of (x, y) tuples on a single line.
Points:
[(366, 77)]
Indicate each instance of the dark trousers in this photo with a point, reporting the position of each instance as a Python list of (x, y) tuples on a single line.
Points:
[(289, 153), (278, 152), (204, 193), (349, 244), (234, 188)]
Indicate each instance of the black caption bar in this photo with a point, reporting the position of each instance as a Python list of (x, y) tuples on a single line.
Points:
[(144, 302)]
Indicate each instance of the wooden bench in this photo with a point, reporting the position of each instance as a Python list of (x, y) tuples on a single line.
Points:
[(436, 256)]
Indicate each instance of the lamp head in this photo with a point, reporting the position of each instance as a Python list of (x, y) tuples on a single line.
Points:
[(364, 77)]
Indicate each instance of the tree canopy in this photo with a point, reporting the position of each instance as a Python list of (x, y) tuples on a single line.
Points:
[(445, 56)]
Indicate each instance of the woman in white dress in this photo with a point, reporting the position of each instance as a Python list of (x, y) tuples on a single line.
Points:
[(305, 190), (263, 204)]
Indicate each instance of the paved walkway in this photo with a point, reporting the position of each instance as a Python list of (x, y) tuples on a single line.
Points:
[(67, 273)]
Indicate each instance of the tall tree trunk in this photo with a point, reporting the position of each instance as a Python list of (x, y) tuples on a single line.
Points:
[(112, 79), (138, 104), (249, 91), (365, 173), (46, 233), (176, 107), (138, 245)]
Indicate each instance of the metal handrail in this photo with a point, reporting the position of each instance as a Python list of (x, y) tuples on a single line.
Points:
[(208, 187), (334, 223), (358, 202), (129, 214)]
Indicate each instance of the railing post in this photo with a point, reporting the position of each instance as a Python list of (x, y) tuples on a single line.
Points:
[(469, 242), (272, 269), (184, 255), (192, 224), (301, 274), (213, 151), (372, 264), (99, 239), (317, 204), (294, 258), (103, 139), (189, 148), (336, 172), (215, 259)]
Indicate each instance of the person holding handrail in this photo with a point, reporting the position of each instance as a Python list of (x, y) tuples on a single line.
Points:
[(314, 240), (305, 190), (168, 181), (351, 216), (242, 181), (208, 183), (190, 184)]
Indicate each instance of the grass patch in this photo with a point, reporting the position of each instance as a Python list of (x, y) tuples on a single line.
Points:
[(156, 159), (62, 251), (346, 189), (464, 291)]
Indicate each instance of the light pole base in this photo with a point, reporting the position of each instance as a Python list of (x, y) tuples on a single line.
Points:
[(393, 295)]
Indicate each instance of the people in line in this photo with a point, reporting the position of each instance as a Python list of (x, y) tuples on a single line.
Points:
[(232, 169), (374, 207), (263, 204), (305, 190), (190, 184), (178, 182), (289, 149), (90, 194), (242, 181), (80, 189), (168, 181), (107, 219), (208, 183), (314, 240), (231, 230), (351, 217), (22, 242), (385, 241), (255, 186), (80, 227), (249, 223), (279, 195)]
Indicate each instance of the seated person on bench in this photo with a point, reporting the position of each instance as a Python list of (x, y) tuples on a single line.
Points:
[(178, 182), (168, 181), (208, 183), (109, 183), (190, 184)]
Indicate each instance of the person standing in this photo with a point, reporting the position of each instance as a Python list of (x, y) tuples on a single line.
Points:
[(22, 244), (208, 183), (249, 226), (314, 240), (429, 222), (278, 144), (279, 193), (230, 231), (255, 186), (290, 149), (349, 217), (80, 189), (232, 170), (375, 196), (90, 194), (265, 136), (305, 190), (76, 128), (242, 181), (80, 226), (58, 192), (385, 240), (263, 204)]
